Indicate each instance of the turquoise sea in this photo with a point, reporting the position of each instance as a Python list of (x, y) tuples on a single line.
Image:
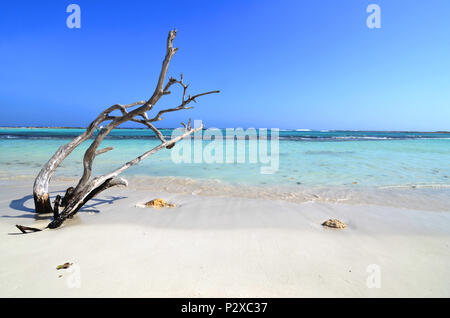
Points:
[(307, 159)]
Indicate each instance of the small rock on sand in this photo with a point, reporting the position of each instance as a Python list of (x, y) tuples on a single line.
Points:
[(63, 266), (159, 203), (334, 223)]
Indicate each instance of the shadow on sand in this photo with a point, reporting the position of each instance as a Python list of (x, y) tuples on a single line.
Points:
[(19, 205)]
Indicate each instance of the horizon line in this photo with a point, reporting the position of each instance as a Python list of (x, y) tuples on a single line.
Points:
[(284, 129)]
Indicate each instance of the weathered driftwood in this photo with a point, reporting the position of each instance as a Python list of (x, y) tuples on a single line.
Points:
[(88, 187)]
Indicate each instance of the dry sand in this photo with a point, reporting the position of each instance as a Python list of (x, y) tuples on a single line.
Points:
[(221, 247)]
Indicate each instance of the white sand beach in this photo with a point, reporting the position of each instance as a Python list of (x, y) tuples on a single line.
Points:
[(254, 136), (211, 246)]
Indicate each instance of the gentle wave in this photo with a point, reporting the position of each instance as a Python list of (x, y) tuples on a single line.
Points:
[(392, 196), (291, 135), (354, 138), (285, 138), (418, 186)]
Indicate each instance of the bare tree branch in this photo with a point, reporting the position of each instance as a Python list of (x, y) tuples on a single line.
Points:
[(99, 152), (155, 130), (40, 187), (180, 107), (103, 182), (24, 229), (87, 188), (89, 155)]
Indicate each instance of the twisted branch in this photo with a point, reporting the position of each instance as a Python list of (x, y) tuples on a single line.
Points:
[(87, 188)]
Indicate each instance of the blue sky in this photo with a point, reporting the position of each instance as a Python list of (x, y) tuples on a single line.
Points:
[(285, 64)]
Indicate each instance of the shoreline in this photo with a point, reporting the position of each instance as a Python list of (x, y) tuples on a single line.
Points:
[(217, 247), (426, 197)]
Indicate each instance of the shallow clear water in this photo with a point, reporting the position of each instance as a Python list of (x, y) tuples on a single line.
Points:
[(309, 158), (400, 169)]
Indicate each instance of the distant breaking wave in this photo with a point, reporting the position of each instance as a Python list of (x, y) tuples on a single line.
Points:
[(290, 135)]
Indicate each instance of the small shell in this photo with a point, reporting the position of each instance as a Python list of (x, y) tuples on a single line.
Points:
[(334, 223)]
